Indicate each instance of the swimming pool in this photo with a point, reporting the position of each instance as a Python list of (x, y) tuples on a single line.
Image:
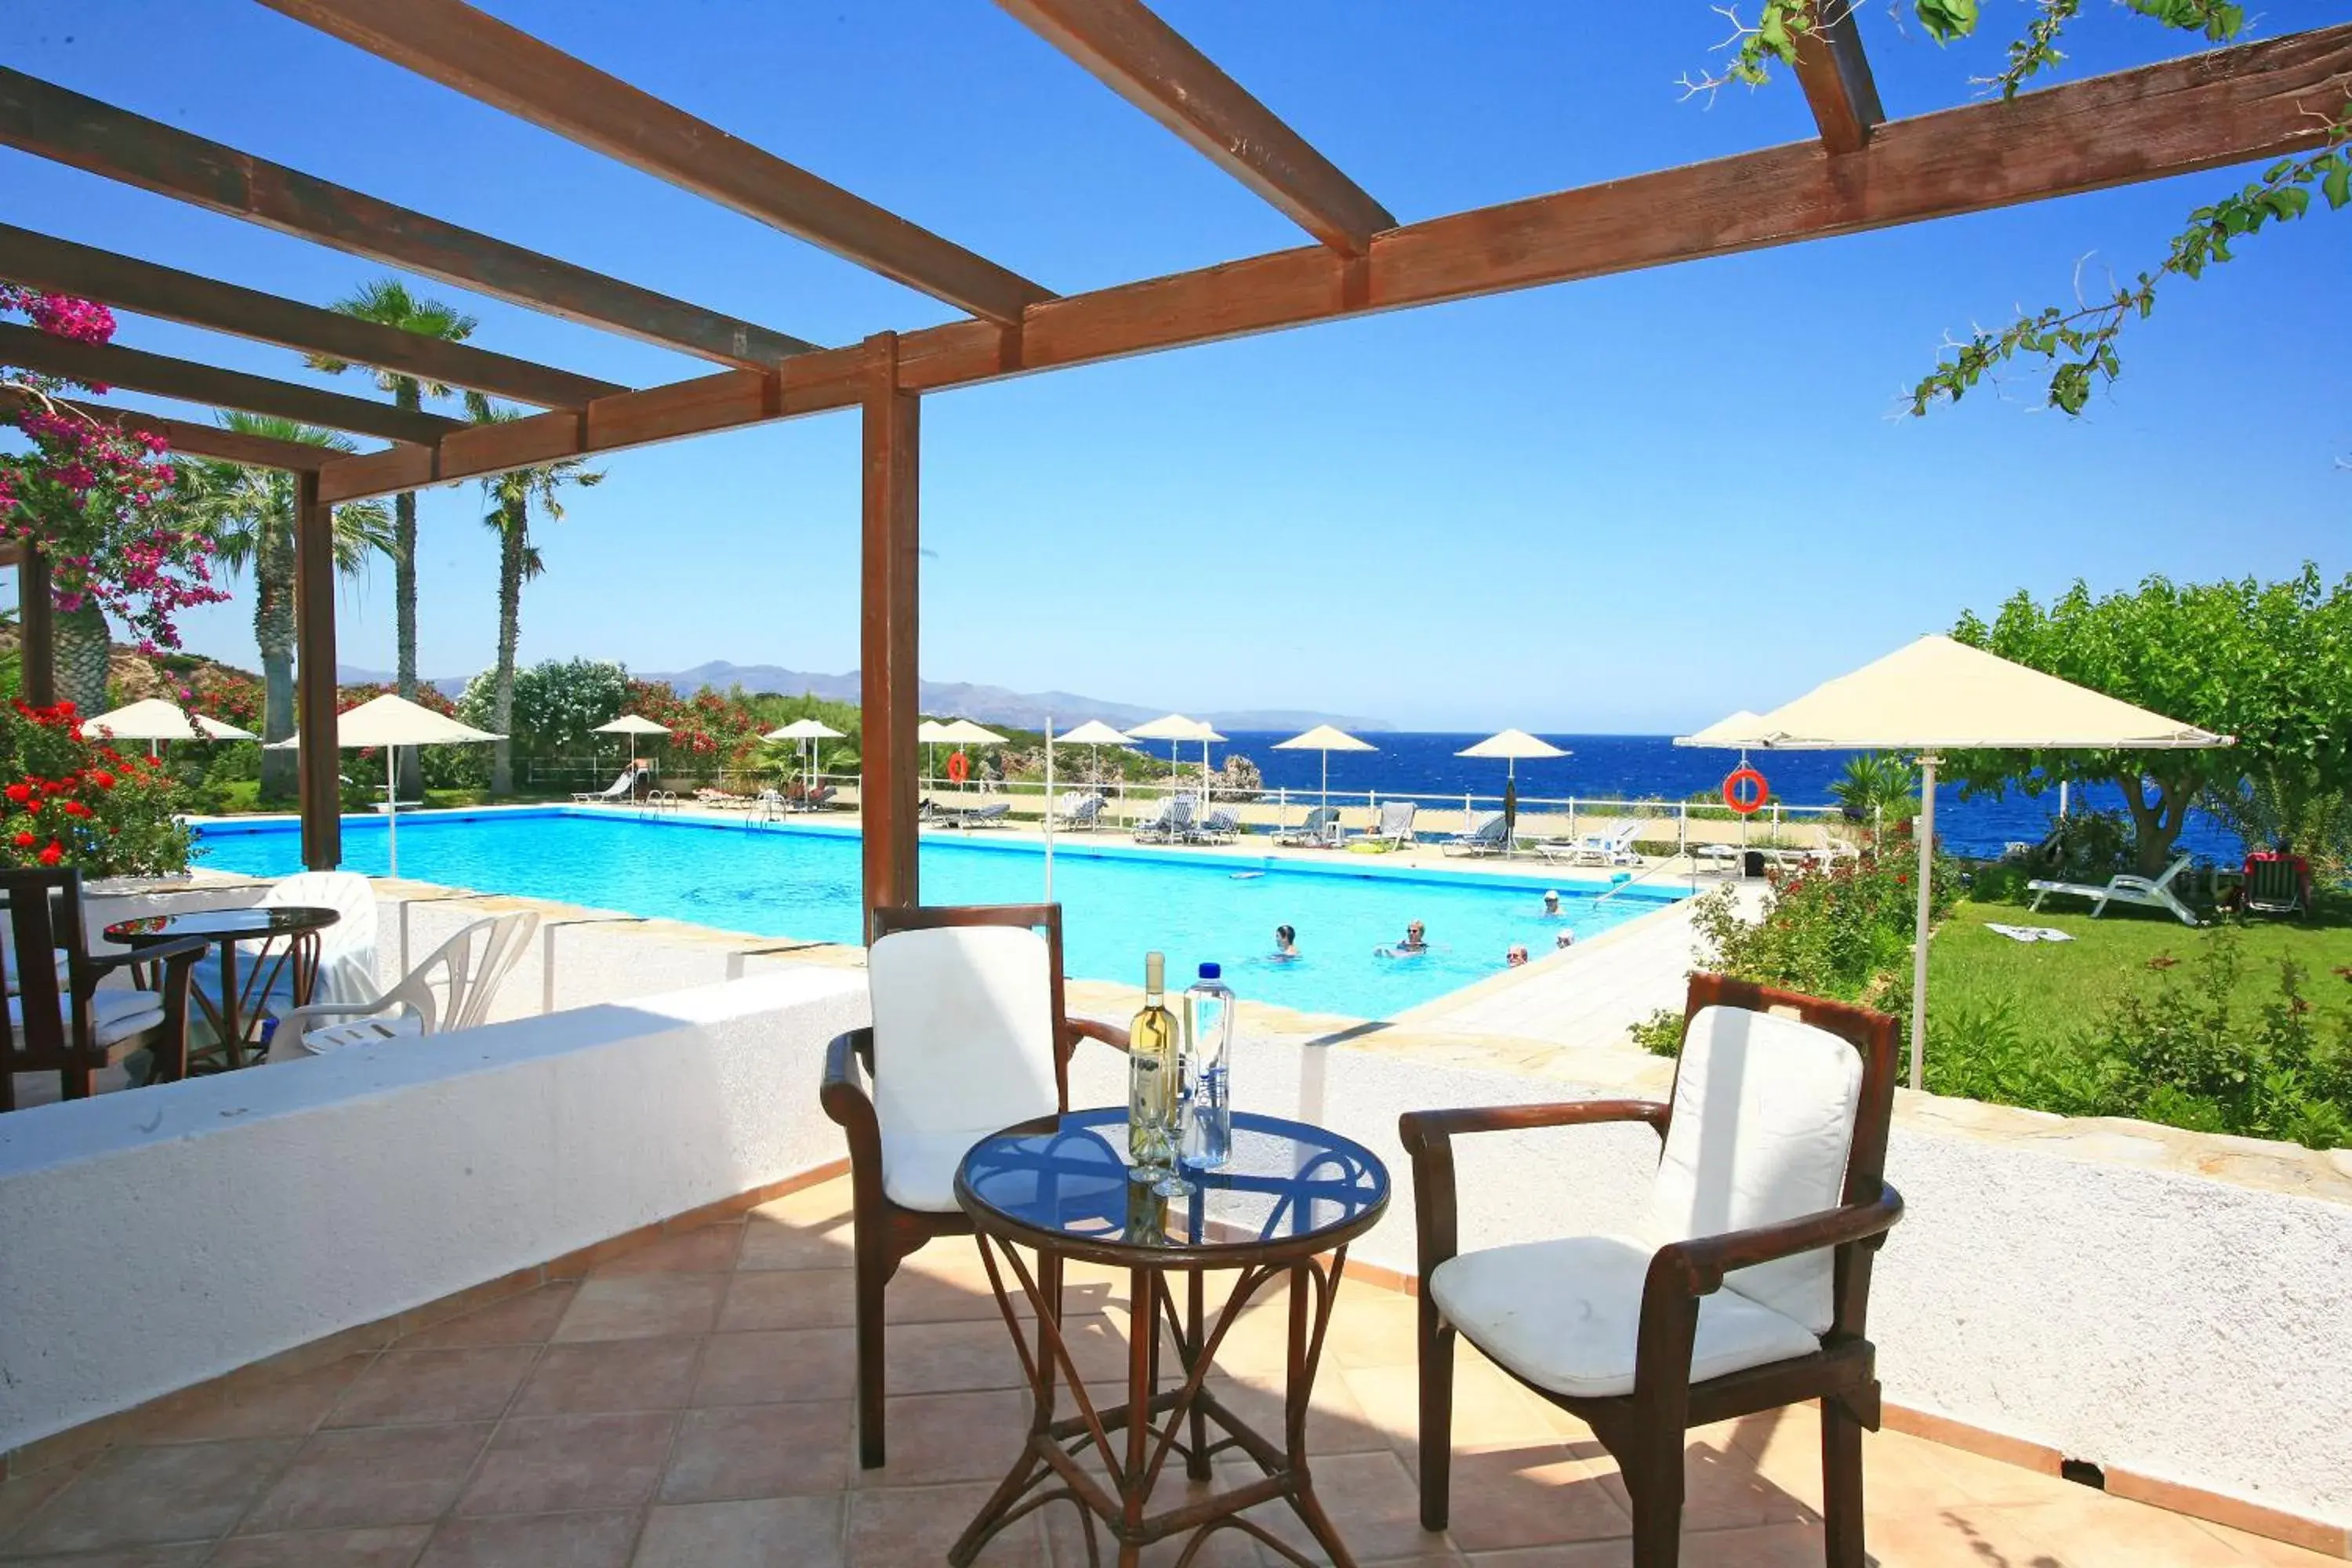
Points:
[(803, 879)]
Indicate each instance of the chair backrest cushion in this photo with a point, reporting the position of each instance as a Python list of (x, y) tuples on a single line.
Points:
[(963, 1029), (1763, 1122), (347, 970)]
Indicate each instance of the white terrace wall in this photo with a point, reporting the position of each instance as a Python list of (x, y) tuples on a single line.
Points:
[(2187, 1328), (154, 1239)]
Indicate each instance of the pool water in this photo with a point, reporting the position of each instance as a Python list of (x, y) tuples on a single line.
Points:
[(799, 879)]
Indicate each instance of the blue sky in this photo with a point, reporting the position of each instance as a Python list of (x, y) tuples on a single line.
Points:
[(1631, 504)]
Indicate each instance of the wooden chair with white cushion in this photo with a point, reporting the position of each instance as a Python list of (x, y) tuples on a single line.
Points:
[(970, 1036), (452, 989), (1744, 1289), (59, 1018)]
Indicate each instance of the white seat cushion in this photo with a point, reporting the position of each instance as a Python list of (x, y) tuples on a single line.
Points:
[(1763, 1120), (964, 1046), (115, 1015), (1565, 1315)]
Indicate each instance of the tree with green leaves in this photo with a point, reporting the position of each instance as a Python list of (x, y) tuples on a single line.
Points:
[(249, 513), (388, 303), (513, 496), (2270, 663), (2076, 343)]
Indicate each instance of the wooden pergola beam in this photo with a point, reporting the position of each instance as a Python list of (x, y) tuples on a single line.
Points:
[(1157, 69), (1835, 75), (317, 759), (889, 640), (2255, 100), (65, 127), (112, 364), (166, 293), (187, 435), (483, 57)]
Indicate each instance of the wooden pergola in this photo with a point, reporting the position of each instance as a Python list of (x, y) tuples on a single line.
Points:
[(1862, 172)]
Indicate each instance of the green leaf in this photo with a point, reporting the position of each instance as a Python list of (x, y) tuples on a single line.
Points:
[(2337, 186)]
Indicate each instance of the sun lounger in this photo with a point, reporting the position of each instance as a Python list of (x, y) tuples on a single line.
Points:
[(1078, 812), (1486, 837), (964, 818), (1394, 830), (1611, 843), (1319, 831), (620, 789), (2155, 894), (2278, 884), (1173, 824), (1219, 827)]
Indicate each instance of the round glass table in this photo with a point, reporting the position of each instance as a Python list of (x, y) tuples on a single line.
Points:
[(1284, 1208), (239, 1008)]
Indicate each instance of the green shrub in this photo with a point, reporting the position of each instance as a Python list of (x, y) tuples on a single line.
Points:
[(1660, 1034)]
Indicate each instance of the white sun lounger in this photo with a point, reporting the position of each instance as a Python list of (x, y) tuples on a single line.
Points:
[(1395, 828), (1485, 838), (1611, 845), (2155, 894), (619, 789)]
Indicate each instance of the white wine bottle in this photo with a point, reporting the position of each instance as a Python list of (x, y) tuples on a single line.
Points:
[(1152, 1069)]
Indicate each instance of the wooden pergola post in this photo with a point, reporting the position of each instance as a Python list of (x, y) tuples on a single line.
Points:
[(36, 641), (314, 676), (889, 637)]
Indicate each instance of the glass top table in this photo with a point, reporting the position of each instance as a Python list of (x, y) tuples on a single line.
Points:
[(235, 1012), (1283, 1209)]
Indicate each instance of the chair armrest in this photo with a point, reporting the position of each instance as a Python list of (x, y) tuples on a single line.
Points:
[(1428, 1136), (1700, 1263), (1110, 1035), (302, 1017), (848, 1061), (1424, 1130), (184, 952)]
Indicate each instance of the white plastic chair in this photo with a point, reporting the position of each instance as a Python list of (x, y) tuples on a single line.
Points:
[(452, 989), (346, 949)]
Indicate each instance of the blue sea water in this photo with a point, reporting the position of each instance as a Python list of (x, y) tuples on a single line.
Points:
[(802, 879), (1642, 767)]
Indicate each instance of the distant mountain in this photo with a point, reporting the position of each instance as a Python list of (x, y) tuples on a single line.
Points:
[(352, 675), (993, 704)]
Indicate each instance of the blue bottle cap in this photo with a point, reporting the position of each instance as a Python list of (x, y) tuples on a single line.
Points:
[(1211, 971)]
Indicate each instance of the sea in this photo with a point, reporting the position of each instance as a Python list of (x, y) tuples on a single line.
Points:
[(1647, 767)]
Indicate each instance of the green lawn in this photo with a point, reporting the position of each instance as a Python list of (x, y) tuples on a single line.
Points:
[(243, 796)]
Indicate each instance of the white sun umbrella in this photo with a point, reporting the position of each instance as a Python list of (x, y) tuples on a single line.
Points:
[(964, 733), (1736, 730), (1093, 732), (153, 719), (632, 725), (1937, 695), (808, 733), (1325, 739), (1175, 729), (1511, 746), (392, 721), (931, 733)]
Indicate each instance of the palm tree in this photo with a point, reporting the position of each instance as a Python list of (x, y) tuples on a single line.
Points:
[(388, 303), (512, 495), (250, 514)]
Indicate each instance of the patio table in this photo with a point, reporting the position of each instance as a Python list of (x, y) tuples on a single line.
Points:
[(1284, 1208), (235, 1013)]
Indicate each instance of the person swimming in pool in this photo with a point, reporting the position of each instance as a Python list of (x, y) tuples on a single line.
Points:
[(1516, 957), (1566, 939), (1286, 945), (1416, 943), (1551, 904)]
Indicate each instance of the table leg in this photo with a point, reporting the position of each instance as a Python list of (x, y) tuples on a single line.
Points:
[(231, 1028), (1196, 1463)]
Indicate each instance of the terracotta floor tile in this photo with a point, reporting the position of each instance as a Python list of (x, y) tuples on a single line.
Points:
[(1503, 1498), (552, 1464), (599, 1376), (1372, 1328), (919, 1293), (1226, 1548), (22, 1496), (2094, 1531), (905, 1527), (708, 1249), (642, 1306), (1722, 1490), (761, 1451), (392, 1547), (552, 1541), (771, 1532), (370, 1476), (941, 1438), (1490, 1410), (1372, 1502), (789, 1299), (947, 1358), (289, 1406), (127, 1557), (147, 1495), (1336, 1423), (1768, 1546), (525, 1320), (826, 1204), (777, 1367), (407, 1388), (771, 1243), (2262, 1549), (1969, 1537)]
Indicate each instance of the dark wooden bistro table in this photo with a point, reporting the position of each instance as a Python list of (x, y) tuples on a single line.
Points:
[(237, 1010), (1284, 1207)]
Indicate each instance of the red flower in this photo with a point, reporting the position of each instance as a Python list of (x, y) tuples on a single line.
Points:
[(102, 779), (21, 793), (53, 854), (75, 808), (25, 841)]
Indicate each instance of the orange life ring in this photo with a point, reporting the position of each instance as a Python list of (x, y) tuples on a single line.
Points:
[(959, 769), (1739, 779)]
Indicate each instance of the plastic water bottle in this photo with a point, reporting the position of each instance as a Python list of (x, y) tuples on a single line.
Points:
[(1208, 1019)]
